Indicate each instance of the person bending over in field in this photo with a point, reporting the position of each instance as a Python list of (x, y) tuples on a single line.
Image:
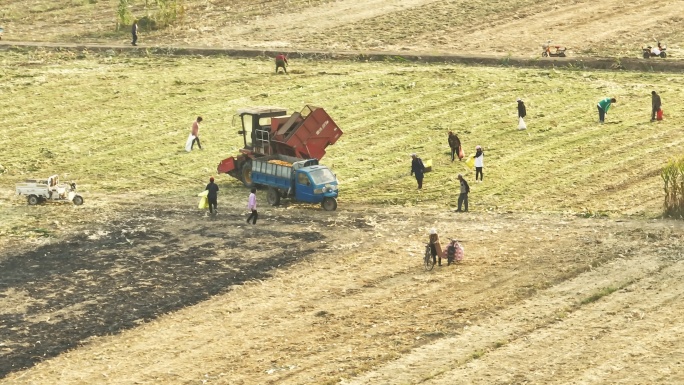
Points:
[(281, 62), (603, 107)]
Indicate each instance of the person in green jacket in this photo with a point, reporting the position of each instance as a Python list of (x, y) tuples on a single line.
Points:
[(603, 107)]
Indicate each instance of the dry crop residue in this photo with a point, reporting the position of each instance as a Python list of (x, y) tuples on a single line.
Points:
[(354, 303)]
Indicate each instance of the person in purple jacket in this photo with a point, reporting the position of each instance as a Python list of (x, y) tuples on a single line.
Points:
[(252, 205)]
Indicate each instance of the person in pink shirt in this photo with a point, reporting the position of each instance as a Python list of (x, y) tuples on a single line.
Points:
[(251, 205), (195, 133)]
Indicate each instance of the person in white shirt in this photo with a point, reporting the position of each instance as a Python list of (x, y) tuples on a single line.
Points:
[(479, 162)]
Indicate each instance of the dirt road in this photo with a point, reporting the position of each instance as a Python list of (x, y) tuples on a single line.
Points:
[(609, 28), (310, 297)]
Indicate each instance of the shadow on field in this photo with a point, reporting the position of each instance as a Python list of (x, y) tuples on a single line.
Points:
[(105, 281)]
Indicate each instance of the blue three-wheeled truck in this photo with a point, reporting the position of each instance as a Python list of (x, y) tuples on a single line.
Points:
[(297, 179)]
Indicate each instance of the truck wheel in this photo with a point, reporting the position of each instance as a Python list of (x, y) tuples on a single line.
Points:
[(663, 55), (273, 197), (32, 200), (329, 204), (78, 200), (246, 174), (646, 55)]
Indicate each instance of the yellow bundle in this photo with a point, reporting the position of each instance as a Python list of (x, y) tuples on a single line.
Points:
[(280, 162), (470, 163), (204, 200)]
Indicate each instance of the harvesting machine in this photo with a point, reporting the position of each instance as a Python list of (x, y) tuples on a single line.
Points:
[(269, 131)]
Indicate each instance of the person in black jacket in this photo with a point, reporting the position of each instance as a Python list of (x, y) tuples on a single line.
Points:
[(522, 111), (134, 33), (418, 169), (212, 196), (455, 144), (655, 105)]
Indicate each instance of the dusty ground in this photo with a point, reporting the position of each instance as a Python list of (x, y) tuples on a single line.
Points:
[(306, 297)]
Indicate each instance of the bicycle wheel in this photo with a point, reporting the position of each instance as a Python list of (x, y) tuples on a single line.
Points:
[(429, 264)]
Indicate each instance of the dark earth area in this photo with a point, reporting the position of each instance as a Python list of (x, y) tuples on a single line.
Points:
[(105, 280)]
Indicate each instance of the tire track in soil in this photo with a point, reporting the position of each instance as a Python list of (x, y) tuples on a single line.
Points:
[(129, 273)]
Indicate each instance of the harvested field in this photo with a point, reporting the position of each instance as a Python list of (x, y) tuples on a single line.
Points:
[(570, 275)]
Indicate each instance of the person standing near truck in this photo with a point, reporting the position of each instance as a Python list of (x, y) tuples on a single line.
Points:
[(655, 105), (212, 196), (195, 133), (252, 206), (417, 168), (603, 107), (281, 62)]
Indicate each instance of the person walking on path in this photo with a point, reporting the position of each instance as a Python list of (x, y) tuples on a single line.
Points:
[(418, 169), (195, 133), (212, 196), (655, 105), (522, 112), (455, 144), (603, 107), (281, 62), (252, 206), (479, 163), (134, 33), (463, 197), (435, 247)]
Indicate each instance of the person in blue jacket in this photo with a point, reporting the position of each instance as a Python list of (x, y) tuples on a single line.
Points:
[(418, 169)]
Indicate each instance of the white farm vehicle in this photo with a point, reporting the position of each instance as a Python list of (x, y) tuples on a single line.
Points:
[(41, 190)]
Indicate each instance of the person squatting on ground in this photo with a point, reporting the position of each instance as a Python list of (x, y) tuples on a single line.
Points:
[(655, 105), (479, 163), (281, 62), (603, 107), (134, 33), (195, 133), (463, 197), (435, 247), (252, 206), (455, 144), (418, 169), (212, 196)]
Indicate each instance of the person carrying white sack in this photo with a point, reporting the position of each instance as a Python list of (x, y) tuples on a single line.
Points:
[(194, 136), (522, 112)]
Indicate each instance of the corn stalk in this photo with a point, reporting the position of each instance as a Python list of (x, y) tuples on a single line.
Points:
[(673, 177)]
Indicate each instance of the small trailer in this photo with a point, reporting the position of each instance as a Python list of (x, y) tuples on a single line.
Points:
[(41, 190), (302, 180)]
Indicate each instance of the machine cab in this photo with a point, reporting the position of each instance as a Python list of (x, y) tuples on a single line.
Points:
[(256, 127), (314, 183)]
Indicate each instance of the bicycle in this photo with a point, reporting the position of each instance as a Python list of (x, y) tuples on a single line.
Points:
[(427, 260)]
